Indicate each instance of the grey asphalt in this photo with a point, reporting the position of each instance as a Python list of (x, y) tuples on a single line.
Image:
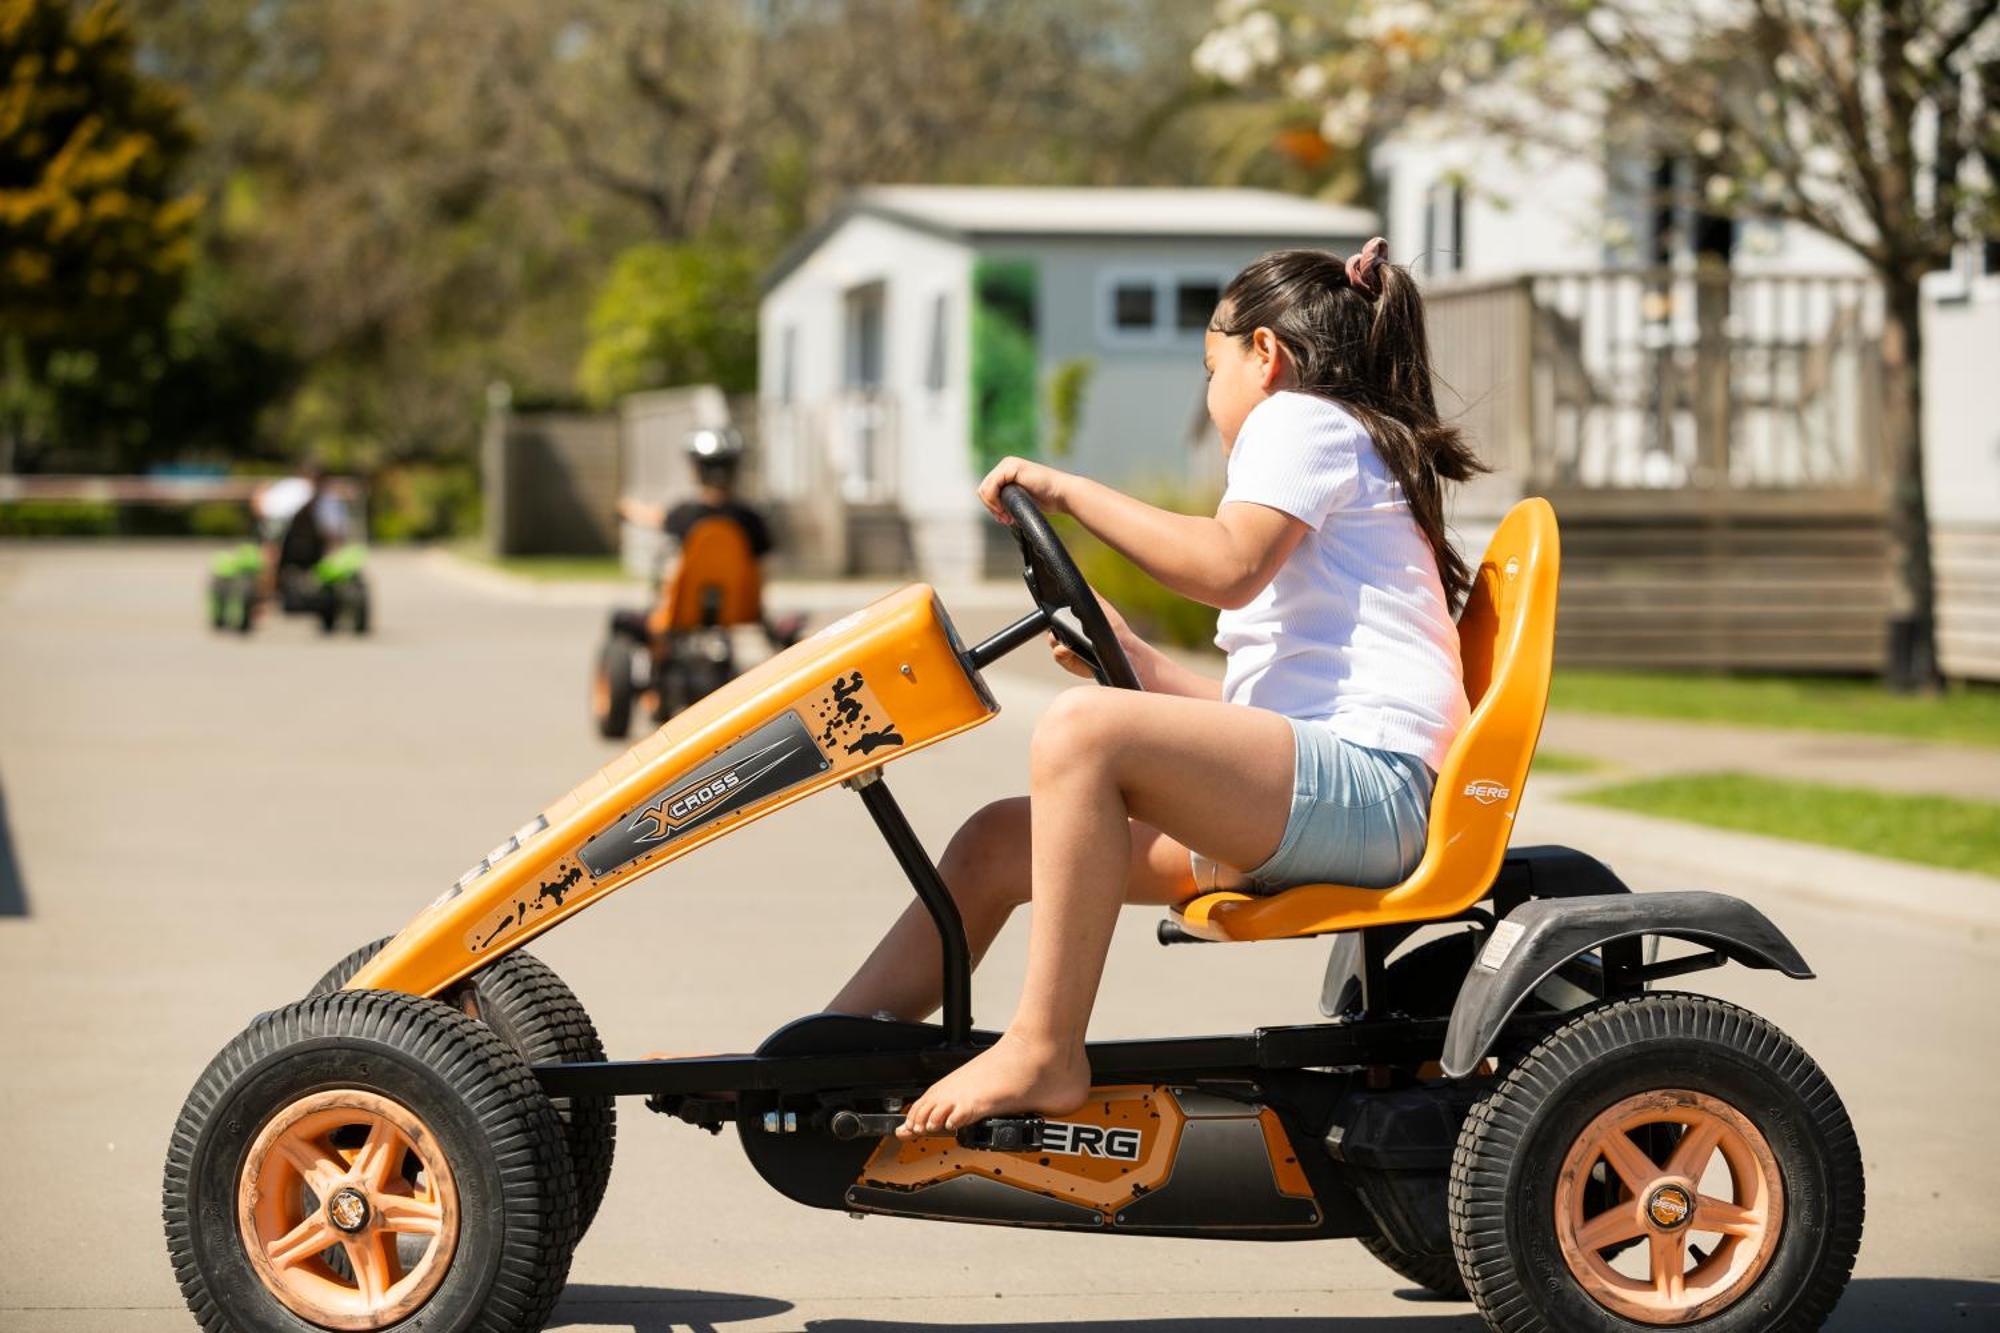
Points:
[(196, 825)]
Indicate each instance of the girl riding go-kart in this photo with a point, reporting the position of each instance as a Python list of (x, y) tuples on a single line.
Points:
[(1506, 1112), (1329, 559)]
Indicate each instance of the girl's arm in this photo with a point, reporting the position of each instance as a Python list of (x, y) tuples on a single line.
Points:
[(1222, 561), (1157, 672), (641, 513)]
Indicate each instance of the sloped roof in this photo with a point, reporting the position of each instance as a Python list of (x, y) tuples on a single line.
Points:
[(986, 211)]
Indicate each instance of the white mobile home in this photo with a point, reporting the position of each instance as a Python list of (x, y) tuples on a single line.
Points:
[(922, 332)]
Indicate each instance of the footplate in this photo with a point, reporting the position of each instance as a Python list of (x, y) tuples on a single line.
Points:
[(1002, 1134), (1144, 1158)]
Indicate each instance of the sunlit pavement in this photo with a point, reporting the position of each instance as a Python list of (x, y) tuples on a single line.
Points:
[(196, 825)]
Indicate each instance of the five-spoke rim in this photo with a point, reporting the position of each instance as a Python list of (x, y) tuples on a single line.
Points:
[(348, 1209), (1703, 1251)]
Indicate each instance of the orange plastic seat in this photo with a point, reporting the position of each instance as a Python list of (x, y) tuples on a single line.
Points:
[(715, 581), (1507, 643)]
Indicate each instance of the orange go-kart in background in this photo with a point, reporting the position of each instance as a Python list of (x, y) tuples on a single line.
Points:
[(682, 649), (1498, 1103)]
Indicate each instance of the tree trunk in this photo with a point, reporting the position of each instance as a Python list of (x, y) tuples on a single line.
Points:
[(1912, 649)]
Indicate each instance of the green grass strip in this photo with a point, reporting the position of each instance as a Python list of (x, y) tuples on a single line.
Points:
[(1932, 830), (1563, 762), (1966, 714)]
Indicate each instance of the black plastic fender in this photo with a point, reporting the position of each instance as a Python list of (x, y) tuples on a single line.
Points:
[(1538, 937)]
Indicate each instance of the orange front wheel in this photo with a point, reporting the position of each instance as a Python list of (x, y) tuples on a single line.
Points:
[(365, 1161)]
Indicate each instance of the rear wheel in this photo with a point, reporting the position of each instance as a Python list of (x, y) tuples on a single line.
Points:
[(382, 1130), (611, 689), (244, 605), (1423, 983), (1664, 1161), (523, 1000), (357, 606)]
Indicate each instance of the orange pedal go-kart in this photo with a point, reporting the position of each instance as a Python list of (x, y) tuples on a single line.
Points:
[(1501, 1108), (681, 650)]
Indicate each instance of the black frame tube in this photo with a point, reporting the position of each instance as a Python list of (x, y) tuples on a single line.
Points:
[(1400, 1042), (930, 886), (991, 650)]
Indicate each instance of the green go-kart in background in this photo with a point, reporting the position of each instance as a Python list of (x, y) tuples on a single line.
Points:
[(335, 589)]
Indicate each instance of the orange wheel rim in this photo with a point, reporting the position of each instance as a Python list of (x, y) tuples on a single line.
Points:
[(350, 1173), (1701, 1251), (600, 693)]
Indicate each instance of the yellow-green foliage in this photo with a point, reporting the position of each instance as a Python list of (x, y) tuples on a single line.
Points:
[(419, 502), (673, 314), (90, 223), (1158, 615), (219, 518), (58, 518)]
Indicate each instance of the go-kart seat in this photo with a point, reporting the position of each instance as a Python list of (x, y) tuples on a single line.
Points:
[(716, 580), (1506, 639)]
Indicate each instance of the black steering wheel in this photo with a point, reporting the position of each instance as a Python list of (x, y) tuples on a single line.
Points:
[(1057, 585)]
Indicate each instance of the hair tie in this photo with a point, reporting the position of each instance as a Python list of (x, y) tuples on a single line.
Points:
[(1361, 267)]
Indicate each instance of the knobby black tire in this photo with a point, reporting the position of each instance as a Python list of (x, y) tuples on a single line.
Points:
[(1424, 983), (614, 663), (479, 1099), (534, 1011), (1502, 1228), (1435, 1273)]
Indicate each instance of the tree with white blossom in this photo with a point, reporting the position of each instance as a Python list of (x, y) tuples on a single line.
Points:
[(1872, 121)]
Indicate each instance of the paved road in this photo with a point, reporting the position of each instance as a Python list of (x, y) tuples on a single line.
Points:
[(199, 824)]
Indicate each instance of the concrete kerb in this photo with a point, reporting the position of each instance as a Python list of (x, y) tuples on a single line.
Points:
[(1668, 853)]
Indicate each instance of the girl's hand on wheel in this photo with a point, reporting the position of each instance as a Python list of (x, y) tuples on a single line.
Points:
[(1137, 650), (1042, 483)]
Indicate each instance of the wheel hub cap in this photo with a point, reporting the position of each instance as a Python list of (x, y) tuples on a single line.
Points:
[(1670, 1206), (348, 1210)]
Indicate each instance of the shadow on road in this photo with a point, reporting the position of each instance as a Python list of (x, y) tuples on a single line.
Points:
[(13, 893), (1918, 1305), (1908, 1305), (657, 1309)]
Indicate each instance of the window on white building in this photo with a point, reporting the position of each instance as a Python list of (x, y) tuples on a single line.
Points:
[(1444, 228), (1156, 307), (788, 348), (1195, 300), (1134, 305), (935, 361)]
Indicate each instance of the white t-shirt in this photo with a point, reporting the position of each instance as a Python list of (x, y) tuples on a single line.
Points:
[(1354, 629), (276, 503)]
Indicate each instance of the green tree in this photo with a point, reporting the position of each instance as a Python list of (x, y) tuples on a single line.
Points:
[(95, 237), (673, 314)]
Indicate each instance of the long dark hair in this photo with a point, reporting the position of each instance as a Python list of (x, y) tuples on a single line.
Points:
[(1361, 342)]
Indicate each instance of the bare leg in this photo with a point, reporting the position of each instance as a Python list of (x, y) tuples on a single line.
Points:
[(986, 867), (1214, 776)]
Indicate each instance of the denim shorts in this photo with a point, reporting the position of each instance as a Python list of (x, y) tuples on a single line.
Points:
[(1358, 816)]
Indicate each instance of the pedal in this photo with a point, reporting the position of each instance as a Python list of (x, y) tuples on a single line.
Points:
[(1003, 1134)]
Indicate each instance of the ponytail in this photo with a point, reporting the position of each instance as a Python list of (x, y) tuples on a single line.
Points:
[(1355, 332)]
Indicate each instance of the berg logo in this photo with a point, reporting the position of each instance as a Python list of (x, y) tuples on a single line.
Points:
[(1063, 1139), (1486, 792)]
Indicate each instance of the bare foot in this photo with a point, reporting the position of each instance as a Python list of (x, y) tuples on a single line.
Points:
[(1013, 1076)]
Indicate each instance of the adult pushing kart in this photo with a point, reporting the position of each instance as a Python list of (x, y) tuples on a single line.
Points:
[(1504, 1109)]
